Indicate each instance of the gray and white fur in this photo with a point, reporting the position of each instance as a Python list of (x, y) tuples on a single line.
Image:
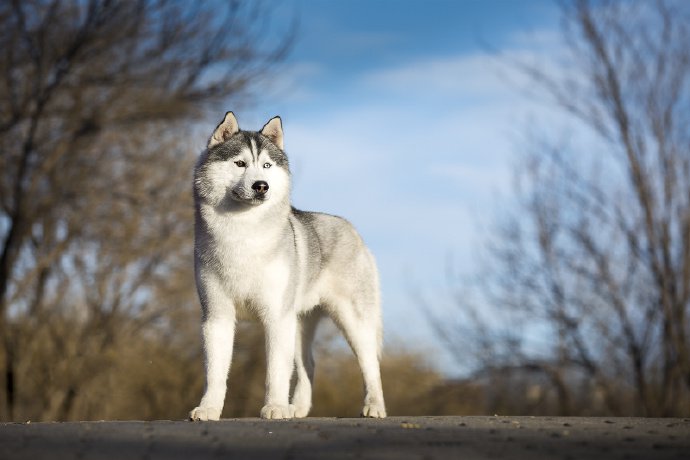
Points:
[(256, 257)]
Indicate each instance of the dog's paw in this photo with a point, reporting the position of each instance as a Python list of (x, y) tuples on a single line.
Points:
[(299, 411), (205, 413), (374, 410), (274, 411)]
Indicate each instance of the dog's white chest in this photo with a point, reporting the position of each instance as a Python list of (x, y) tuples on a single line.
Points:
[(250, 270)]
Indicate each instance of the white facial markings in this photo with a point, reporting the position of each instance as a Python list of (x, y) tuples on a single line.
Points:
[(253, 150), (217, 175)]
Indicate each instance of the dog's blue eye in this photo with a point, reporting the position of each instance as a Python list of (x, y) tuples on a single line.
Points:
[(267, 165), (241, 163)]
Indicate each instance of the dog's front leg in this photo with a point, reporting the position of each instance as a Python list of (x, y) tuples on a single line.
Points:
[(280, 354), (218, 336)]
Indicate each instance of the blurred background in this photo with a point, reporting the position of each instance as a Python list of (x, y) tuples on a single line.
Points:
[(520, 170)]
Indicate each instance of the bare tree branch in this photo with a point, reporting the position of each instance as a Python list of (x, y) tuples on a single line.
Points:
[(600, 257)]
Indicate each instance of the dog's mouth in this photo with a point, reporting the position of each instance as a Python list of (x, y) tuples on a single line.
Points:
[(254, 200)]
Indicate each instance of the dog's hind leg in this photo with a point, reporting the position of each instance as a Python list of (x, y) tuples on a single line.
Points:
[(304, 363), (364, 336)]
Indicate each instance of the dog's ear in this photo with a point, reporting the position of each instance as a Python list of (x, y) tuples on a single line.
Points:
[(273, 130), (225, 130)]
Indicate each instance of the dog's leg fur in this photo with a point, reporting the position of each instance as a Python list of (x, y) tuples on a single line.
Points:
[(280, 354), (364, 339), (218, 334), (304, 363)]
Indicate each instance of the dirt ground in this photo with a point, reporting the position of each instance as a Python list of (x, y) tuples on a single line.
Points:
[(329, 438)]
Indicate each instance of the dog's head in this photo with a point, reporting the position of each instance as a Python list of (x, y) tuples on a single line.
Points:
[(243, 168)]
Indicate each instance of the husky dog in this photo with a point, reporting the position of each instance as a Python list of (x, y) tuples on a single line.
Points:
[(257, 257)]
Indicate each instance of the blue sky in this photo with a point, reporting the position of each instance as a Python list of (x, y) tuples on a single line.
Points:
[(399, 116)]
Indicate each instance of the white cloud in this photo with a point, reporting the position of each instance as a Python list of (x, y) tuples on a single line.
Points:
[(466, 75), (477, 78)]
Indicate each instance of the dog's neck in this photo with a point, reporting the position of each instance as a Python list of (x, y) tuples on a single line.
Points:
[(262, 219)]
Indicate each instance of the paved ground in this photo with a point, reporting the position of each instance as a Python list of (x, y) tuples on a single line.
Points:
[(327, 438)]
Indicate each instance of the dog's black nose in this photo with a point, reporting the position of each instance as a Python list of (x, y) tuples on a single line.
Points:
[(261, 186)]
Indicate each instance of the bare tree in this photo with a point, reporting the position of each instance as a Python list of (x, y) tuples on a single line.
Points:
[(98, 101), (595, 263)]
